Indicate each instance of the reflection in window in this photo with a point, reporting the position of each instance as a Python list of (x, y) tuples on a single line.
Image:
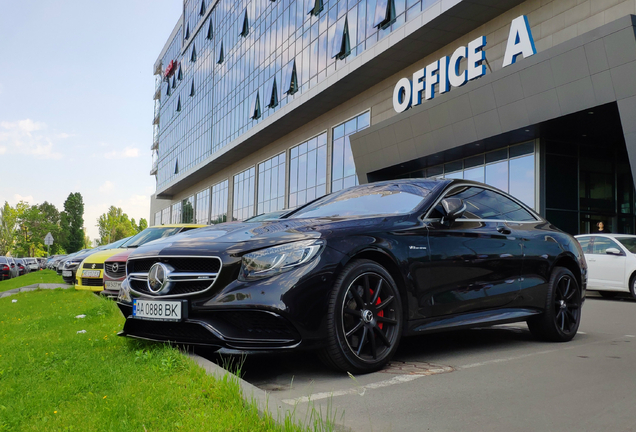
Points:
[(246, 25), (343, 169), (255, 110), (193, 57), (176, 213), (384, 13), (210, 33), (165, 216), (221, 57), (202, 207), (187, 210), (218, 207), (290, 78), (308, 171), (157, 218), (341, 45), (243, 203), (314, 6), (271, 185)]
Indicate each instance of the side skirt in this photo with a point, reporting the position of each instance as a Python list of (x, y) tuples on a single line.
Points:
[(474, 319)]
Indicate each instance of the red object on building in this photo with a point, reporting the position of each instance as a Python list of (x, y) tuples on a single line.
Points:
[(172, 66)]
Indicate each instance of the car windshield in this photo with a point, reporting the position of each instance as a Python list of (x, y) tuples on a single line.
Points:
[(369, 200), (150, 234), (629, 243)]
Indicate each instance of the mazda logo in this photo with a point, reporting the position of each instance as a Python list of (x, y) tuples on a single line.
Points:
[(158, 278), (115, 267)]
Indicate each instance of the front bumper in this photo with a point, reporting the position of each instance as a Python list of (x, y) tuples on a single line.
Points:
[(280, 312)]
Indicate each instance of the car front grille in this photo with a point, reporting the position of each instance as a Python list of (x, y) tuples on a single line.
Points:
[(93, 266), (120, 273), (92, 282), (191, 275)]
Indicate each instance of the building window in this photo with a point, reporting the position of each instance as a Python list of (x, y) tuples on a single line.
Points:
[(314, 6), (510, 169), (178, 109), (220, 60), (272, 94), (341, 45), (193, 57), (246, 25), (290, 78), (243, 203), (343, 168), (174, 81), (192, 88), (384, 13), (202, 207), (218, 208), (187, 210), (271, 185), (180, 74), (187, 33), (308, 171), (210, 33), (176, 167), (202, 10), (158, 218), (176, 213), (165, 216), (255, 110)]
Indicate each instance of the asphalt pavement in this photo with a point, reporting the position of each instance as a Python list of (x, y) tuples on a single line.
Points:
[(488, 379)]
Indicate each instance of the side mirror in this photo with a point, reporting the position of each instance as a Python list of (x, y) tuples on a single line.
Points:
[(454, 208), (613, 251)]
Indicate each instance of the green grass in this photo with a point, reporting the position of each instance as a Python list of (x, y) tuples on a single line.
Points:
[(42, 276), (53, 378)]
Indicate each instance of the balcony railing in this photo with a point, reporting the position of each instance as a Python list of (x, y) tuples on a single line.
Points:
[(153, 170)]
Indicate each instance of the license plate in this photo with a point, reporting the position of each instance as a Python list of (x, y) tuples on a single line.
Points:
[(90, 273), (157, 310), (112, 285), (67, 273)]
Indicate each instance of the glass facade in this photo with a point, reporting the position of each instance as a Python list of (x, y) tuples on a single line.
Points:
[(308, 171), (343, 169), (511, 169), (158, 218), (165, 216), (218, 207), (203, 207), (271, 185), (176, 213), (286, 51), (187, 210), (243, 195)]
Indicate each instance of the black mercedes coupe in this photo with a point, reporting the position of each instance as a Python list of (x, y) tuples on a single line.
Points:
[(352, 272)]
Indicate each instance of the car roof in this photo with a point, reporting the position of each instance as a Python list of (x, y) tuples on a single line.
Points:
[(610, 235)]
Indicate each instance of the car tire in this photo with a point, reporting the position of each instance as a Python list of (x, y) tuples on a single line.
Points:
[(364, 319), (562, 314), (608, 294), (632, 286)]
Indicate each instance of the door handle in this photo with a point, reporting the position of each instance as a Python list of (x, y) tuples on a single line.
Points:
[(503, 230)]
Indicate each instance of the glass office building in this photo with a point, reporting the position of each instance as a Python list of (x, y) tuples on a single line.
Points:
[(265, 105)]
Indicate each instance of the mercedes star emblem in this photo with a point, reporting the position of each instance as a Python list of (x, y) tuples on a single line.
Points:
[(157, 278)]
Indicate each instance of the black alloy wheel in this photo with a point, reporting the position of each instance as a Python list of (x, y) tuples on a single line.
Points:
[(632, 286), (365, 318), (562, 315)]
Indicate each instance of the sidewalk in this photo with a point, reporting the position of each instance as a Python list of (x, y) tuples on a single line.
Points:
[(32, 288)]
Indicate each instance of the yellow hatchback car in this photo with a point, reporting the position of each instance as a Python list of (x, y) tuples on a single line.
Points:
[(90, 274)]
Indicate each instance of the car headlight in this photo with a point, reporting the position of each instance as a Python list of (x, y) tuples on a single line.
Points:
[(124, 292), (278, 259)]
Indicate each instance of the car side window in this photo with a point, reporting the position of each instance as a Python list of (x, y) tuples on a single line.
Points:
[(486, 204), (601, 244), (586, 244)]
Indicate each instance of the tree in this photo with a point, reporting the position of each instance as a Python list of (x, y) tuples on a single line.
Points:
[(8, 223), (52, 219), (72, 222), (114, 225), (143, 224)]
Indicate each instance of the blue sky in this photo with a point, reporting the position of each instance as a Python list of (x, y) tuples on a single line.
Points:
[(76, 108)]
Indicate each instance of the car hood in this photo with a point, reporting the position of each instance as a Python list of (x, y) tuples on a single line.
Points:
[(238, 238), (101, 256)]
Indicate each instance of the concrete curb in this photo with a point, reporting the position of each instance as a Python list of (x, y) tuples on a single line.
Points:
[(265, 401), (33, 288)]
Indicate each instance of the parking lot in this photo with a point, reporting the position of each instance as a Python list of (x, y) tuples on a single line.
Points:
[(495, 379)]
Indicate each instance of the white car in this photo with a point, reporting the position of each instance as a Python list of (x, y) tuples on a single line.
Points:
[(611, 261)]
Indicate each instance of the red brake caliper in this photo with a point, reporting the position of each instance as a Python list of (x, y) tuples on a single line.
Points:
[(381, 313)]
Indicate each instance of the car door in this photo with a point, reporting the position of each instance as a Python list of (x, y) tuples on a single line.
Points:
[(474, 262), (606, 271)]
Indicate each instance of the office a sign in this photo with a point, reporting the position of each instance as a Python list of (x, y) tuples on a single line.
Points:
[(442, 74)]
